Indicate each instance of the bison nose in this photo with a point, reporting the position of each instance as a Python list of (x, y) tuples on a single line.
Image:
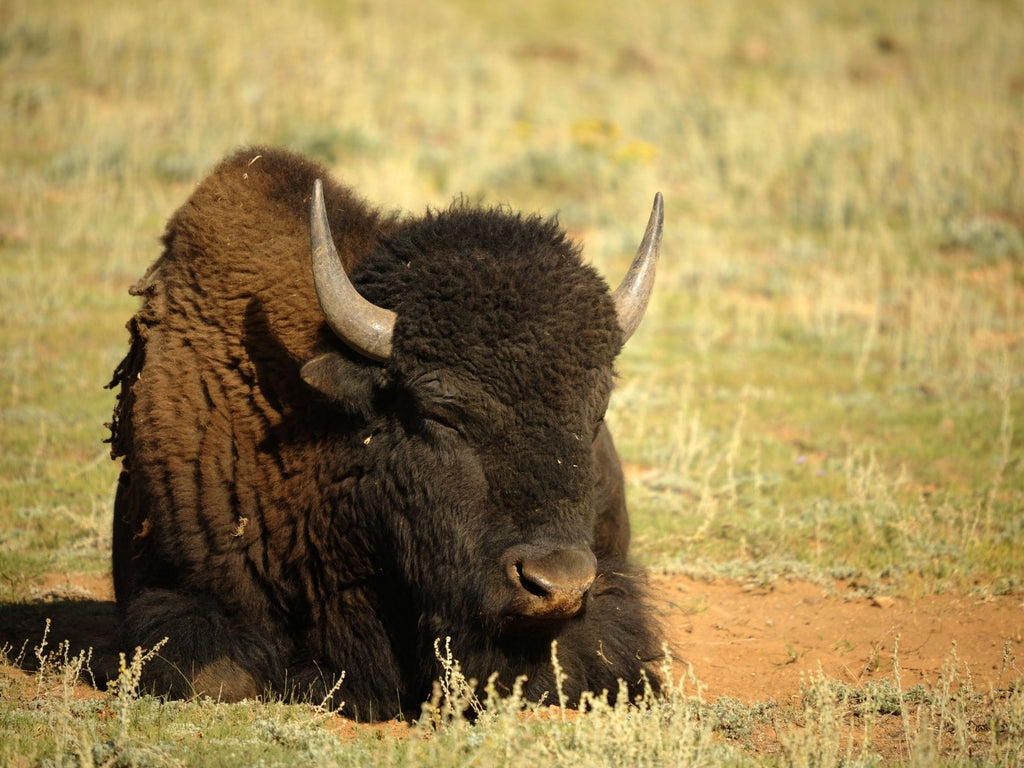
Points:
[(550, 584)]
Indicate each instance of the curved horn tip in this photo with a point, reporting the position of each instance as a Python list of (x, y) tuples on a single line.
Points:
[(657, 220), (633, 293), (362, 325), (316, 202)]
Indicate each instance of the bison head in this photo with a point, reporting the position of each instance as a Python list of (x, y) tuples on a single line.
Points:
[(476, 357)]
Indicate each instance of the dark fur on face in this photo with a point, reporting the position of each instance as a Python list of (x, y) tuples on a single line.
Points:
[(289, 510)]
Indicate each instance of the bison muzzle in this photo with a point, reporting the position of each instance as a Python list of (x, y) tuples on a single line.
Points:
[(347, 433)]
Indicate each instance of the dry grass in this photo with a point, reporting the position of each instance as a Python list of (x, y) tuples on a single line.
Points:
[(950, 723)]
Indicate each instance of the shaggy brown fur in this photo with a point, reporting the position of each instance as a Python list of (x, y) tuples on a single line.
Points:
[(289, 510)]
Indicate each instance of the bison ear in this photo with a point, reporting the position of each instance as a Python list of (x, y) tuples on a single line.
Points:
[(346, 382)]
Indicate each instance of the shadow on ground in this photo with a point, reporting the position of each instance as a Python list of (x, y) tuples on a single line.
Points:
[(78, 624)]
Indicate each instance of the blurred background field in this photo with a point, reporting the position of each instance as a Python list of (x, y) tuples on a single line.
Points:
[(828, 382), (829, 375)]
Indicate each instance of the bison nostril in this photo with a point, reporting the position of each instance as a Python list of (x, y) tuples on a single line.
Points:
[(552, 583), (532, 582)]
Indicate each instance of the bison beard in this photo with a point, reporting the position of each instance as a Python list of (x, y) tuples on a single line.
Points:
[(299, 499)]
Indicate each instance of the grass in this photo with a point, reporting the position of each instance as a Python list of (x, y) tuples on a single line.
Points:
[(828, 383), (834, 724)]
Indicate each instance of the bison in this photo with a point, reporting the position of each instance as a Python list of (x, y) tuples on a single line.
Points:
[(346, 433)]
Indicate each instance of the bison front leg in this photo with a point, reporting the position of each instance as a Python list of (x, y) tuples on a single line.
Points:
[(205, 653)]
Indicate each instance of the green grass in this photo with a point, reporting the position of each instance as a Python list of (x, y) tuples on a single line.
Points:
[(829, 380)]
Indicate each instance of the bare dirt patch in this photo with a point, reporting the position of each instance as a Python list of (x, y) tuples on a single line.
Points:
[(756, 644), (749, 643)]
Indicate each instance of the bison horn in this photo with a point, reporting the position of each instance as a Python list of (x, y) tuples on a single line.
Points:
[(635, 290), (361, 324)]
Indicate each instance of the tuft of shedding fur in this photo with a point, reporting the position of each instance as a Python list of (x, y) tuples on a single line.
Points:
[(288, 511)]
